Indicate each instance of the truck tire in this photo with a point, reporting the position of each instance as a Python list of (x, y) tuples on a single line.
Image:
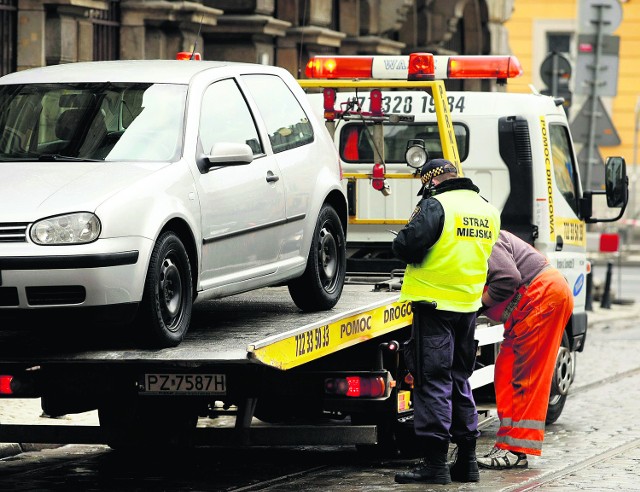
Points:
[(320, 286), (165, 311), (562, 378)]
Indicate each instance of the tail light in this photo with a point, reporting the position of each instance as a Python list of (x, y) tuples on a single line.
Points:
[(356, 386), (5, 385)]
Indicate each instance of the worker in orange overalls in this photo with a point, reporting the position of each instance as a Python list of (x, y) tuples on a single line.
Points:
[(534, 319)]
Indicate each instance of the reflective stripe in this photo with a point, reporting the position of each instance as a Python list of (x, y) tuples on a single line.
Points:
[(521, 443), (418, 292), (522, 424)]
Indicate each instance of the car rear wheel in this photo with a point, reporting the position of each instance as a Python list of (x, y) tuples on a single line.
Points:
[(165, 311), (320, 286)]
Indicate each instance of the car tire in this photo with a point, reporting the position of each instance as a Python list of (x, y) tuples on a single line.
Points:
[(320, 286), (167, 301), (563, 375)]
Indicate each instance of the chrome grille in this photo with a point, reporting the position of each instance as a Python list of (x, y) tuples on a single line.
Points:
[(13, 232)]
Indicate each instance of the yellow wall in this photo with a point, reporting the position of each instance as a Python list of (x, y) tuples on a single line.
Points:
[(521, 28)]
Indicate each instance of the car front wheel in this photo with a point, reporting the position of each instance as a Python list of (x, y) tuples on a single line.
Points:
[(320, 287), (165, 311)]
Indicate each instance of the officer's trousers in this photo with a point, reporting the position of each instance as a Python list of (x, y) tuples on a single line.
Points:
[(444, 409), (526, 361)]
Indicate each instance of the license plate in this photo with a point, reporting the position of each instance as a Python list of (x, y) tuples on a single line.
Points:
[(184, 384)]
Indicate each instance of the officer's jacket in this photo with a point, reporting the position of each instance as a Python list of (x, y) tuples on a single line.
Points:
[(446, 244)]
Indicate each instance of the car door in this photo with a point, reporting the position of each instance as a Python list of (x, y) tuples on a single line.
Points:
[(243, 206)]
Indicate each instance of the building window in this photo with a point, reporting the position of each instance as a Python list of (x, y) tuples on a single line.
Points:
[(106, 32), (558, 42), (8, 36)]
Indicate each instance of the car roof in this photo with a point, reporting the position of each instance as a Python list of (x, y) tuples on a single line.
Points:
[(160, 71)]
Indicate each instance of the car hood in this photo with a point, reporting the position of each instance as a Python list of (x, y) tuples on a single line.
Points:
[(31, 191)]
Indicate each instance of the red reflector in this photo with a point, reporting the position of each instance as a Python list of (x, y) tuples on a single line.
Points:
[(375, 96), (421, 66), (5, 385), (337, 67), (377, 175), (484, 67), (188, 55)]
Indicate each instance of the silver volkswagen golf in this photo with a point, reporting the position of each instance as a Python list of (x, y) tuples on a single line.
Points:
[(131, 189)]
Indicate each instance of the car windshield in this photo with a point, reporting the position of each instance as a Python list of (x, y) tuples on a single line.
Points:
[(92, 122)]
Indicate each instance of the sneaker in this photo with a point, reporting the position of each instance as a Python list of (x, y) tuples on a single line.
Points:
[(503, 459)]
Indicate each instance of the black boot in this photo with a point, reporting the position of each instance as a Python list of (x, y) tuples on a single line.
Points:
[(432, 469), (465, 466)]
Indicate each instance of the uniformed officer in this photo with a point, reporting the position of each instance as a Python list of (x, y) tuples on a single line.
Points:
[(446, 245)]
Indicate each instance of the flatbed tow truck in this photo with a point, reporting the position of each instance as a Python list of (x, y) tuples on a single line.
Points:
[(308, 378), (287, 377)]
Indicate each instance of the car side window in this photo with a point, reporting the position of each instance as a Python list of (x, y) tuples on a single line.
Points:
[(225, 117), (286, 121)]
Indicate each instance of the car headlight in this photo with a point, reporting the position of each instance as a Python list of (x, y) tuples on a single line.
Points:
[(77, 228)]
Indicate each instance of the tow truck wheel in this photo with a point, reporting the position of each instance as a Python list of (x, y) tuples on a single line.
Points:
[(562, 378), (320, 287), (165, 311)]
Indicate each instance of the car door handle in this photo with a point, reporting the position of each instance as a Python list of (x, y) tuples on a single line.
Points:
[(272, 178)]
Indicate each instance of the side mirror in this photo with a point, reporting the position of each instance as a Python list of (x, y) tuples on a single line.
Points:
[(616, 182), (230, 153), (616, 191)]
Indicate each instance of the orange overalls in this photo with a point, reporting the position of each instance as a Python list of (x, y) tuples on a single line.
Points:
[(526, 362)]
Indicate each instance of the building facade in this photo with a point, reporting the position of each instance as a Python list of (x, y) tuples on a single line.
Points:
[(279, 32)]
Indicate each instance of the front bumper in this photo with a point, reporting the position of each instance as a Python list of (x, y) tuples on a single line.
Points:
[(106, 272)]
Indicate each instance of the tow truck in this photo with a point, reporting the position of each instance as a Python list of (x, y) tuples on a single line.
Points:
[(517, 148), (284, 376)]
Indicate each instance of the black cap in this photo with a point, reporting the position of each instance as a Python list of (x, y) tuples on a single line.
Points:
[(433, 168)]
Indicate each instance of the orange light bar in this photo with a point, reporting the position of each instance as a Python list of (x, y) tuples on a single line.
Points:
[(188, 55), (339, 67), (483, 67)]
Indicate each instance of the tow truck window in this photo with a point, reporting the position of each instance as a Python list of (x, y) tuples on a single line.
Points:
[(356, 141), (286, 121), (80, 121), (563, 164)]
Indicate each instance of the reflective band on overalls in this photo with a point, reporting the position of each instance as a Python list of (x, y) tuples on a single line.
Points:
[(467, 238)]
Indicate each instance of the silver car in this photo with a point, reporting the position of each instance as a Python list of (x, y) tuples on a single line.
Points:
[(128, 189)]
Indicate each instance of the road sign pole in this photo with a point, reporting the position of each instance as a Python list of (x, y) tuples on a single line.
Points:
[(594, 92)]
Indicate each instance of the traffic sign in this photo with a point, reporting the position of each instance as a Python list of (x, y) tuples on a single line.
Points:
[(606, 74), (555, 69), (607, 13), (605, 133)]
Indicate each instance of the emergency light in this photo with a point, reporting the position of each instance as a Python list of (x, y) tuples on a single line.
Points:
[(188, 55), (417, 66)]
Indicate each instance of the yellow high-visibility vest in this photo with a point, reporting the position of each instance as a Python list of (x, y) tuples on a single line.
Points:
[(454, 270)]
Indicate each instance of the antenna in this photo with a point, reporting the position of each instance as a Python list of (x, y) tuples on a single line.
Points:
[(304, 18), (195, 43)]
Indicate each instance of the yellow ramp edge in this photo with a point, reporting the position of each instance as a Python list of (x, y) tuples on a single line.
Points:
[(313, 341)]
